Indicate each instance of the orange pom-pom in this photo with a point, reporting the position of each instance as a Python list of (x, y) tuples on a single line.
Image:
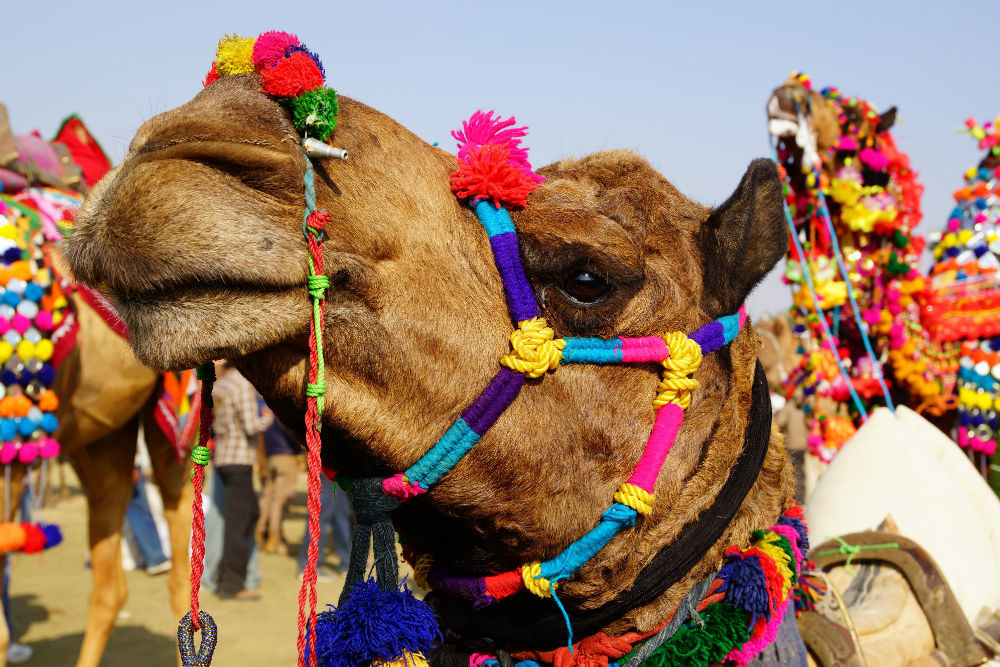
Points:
[(48, 401), (21, 405), (12, 537), (7, 406)]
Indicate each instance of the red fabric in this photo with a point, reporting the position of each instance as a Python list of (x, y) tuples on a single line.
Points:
[(103, 307), (86, 152)]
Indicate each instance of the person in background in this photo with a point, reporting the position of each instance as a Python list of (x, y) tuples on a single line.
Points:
[(335, 517), (281, 472), (140, 520), (238, 421)]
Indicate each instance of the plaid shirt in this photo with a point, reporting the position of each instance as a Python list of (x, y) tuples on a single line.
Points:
[(238, 421)]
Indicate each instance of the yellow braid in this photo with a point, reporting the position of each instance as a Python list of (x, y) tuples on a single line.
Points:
[(635, 497), (684, 359), (406, 660), (535, 351), (535, 583), (421, 569)]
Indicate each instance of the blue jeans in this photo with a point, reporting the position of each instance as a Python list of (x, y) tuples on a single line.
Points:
[(140, 520), (335, 516), (215, 528)]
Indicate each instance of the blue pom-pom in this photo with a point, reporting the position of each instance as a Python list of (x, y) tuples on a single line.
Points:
[(12, 299), (11, 255), (373, 624), (53, 535), (8, 429), (46, 375), (745, 586), (8, 377), (25, 426), (33, 292), (49, 423)]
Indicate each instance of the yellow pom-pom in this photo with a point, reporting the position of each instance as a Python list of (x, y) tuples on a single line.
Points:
[(43, 350), (26, 350), (234, 55), (8, 232), (406, 660), (6, 349)]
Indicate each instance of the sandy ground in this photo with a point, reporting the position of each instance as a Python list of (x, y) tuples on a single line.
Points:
[(49, 595)]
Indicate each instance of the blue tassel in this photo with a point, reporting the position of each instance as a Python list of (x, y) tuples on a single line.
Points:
[(373, 624), (53, 535), (745, 586)]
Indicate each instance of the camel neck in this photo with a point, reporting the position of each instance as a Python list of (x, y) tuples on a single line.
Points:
[(526, 620)]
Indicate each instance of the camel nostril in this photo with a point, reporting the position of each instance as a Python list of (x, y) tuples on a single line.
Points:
[(266, 243)]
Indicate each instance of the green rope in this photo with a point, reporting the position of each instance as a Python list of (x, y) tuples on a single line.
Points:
[(201, 455), (853, 550)]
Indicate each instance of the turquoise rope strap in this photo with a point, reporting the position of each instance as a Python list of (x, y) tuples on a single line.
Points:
[(614, 519), (443, 456), (592, 351)]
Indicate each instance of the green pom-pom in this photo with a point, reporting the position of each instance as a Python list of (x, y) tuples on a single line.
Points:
[(725, 627), (315, 112)]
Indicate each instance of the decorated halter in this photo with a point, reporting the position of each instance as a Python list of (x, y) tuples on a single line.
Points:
[(379, 623)]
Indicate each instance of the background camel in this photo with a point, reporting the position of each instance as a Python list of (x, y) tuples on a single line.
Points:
[(416, 322)]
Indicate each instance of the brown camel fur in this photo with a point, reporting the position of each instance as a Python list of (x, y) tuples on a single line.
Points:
[(196, 237), (106, 391)]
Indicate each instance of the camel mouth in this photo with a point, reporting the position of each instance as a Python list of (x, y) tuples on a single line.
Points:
[(188, 325), (780, 121)]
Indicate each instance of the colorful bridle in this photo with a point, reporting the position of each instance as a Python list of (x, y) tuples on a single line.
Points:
[(493, 176)]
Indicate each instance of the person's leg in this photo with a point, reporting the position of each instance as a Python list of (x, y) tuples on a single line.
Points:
[(341, 519), (140, 520), (241, 516), (266, 499), (325, 513), (215, 524)]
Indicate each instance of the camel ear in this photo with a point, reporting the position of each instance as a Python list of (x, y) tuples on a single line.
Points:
[(886, 121), (743, 239)]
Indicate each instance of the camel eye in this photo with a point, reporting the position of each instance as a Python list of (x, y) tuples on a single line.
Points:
[(586, 286)]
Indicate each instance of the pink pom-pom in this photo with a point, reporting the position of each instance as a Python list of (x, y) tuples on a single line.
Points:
[(28, 452), (489, 174), (874, 159), (8, 452), (4, 325), (846, 143), (49, 448), (271, 46), (482, 129), (43, 320), (20, 323)]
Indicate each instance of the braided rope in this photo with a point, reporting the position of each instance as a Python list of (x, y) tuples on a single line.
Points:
[(684, 359), (313, 224), (635, 497), (531, 573), (534, 350), (200, 456)]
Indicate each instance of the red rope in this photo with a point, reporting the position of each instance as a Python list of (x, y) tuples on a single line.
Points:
[(314, 465), (198, 521)]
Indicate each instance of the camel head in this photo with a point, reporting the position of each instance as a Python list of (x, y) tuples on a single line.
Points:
[(196, 238)]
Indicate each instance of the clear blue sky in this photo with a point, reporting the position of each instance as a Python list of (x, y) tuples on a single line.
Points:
[(683, 84)]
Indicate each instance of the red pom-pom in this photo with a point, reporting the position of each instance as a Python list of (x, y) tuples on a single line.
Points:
[(292, 76), (489, 174), (34, 538), (212, 75)]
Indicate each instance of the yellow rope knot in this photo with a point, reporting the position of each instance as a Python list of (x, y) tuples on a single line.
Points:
[(535, 351), (684, 359), (533, 582), (635, 497)]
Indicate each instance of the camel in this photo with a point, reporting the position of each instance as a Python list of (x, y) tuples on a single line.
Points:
[(106, 394), (109, 395), (196, 238)]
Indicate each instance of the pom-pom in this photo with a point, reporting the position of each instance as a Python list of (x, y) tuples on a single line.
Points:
[(53, 536), (234, 55), (488, 173), (49, 423), (375, 625), (271, 47), (406, 660), (315, 112), (482, 128), (292, 76), (43, 320), (48, 401), (34, 538), (300, 48), (28, 452), (8, 452), (211, 77), (49, 448), (745, 585), (12, 537)]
